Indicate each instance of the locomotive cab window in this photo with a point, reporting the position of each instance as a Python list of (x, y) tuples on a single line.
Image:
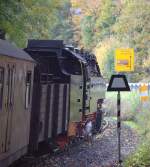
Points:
[(28, 89), (1, 86), (98, 71), (45, 78), (72, 66), (93, 69)]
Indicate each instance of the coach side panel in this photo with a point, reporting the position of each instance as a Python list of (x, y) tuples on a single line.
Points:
[(15, 111)]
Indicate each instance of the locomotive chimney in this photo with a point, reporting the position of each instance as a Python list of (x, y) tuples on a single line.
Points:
[(2, 34)]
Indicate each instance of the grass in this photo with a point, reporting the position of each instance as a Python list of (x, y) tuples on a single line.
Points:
[(137, 116), (130, 102), (114, 118), (141, 158), (132, 125)]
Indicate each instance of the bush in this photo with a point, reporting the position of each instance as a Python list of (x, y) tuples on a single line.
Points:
[(133, 110), (141, 158), (130, 103), (143, 121)]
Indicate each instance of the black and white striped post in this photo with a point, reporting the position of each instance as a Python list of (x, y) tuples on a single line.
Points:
[(119, 127), (118, 83)]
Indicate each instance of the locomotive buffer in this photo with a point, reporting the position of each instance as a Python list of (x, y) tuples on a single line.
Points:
[(118, 83)]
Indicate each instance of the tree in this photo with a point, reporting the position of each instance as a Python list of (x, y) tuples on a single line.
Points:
[(132, 28), (23, 19), (63, 27)]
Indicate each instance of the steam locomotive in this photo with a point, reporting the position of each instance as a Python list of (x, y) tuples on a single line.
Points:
[(47, 92)]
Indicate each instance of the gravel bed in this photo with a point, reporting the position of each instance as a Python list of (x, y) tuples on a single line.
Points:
[(102, 153)]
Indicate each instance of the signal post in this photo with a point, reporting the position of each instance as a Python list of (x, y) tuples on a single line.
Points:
[(124, 62)]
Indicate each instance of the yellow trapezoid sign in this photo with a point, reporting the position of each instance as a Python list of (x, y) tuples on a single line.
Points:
[(124, 60)]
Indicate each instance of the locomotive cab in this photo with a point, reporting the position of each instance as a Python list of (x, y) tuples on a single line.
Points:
[(74, 65), (87, 88), (63, 90)]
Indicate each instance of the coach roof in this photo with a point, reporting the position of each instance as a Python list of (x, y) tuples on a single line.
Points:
[(8, 49)]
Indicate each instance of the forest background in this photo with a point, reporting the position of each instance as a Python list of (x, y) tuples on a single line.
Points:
[(99, 26)]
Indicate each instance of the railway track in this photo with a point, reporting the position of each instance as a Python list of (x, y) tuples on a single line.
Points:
[(35, 161), (102, 153)]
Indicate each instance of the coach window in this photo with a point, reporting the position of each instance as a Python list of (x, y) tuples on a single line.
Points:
[(1, 86), (28, 89)]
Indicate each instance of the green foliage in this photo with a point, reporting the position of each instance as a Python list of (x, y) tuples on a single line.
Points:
[(109, 63), (137, 115), (132, 125), (132, 28), (142, 119), (87, 31), (126, 21), (24, 19), (130, 103), (141, 158), (96, 26), (63, 28), (106, 18)]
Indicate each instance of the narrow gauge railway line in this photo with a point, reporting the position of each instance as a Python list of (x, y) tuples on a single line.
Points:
[(102, 153), (48, 159)]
